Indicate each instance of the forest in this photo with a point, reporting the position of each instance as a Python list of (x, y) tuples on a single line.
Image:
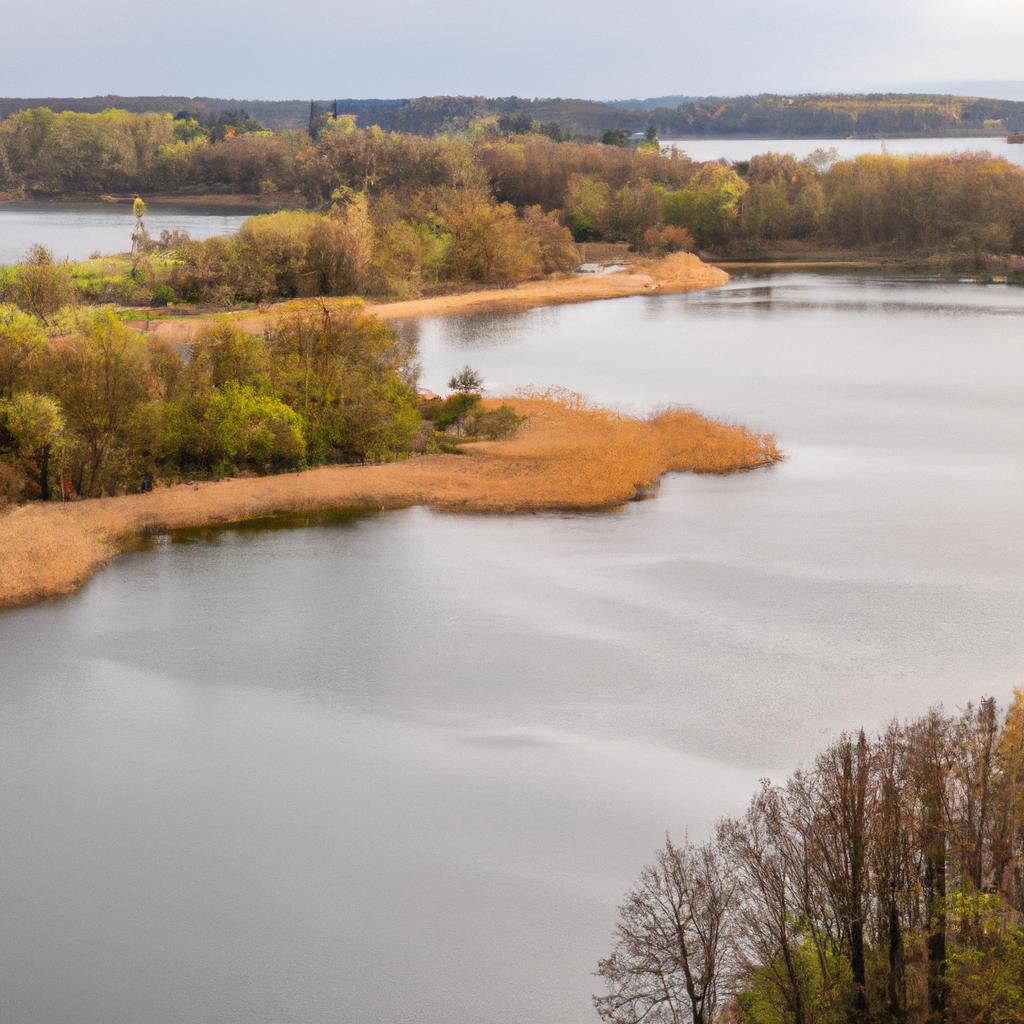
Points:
[(807, 116), (880, 883)]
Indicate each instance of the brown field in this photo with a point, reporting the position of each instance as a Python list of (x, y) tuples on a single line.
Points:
[(682, 271), (568, 455)]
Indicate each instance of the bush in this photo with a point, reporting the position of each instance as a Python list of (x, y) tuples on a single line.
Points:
[(668, 238), (450, 412), (163, 294), (493, 424)]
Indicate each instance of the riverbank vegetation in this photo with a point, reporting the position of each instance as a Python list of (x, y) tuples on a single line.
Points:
[(566, 455), (881, 883)]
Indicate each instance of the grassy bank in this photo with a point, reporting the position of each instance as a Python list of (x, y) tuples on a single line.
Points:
[(676, 273), (567, 456)]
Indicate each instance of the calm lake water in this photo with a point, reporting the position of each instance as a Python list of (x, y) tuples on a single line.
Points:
[(76, 230), (401, 768), (744, 149)]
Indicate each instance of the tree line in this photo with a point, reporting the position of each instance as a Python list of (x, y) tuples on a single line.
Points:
[(952, 203), (806, 116), (883, 883)]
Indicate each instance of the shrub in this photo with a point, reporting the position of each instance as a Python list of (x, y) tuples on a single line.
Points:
[(668, 238), (163, 294), (452, 411), (493, 424)]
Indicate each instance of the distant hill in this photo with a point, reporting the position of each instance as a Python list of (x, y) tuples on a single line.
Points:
[(272, 113), (811, 116), (653, 102), (766, 116), (993, 88)]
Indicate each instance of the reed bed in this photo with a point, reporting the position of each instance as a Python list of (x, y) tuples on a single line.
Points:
[(568, 455)]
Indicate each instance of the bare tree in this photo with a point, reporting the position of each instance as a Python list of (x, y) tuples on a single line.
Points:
[(891, 859), (772, 878), (836, 829), (930, 743), (670, 959)]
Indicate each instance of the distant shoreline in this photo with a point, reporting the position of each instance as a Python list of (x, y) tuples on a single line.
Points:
[(242, 200)]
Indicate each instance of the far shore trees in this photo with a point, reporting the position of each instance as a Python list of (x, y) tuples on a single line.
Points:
[(495, 171), (392, 214)]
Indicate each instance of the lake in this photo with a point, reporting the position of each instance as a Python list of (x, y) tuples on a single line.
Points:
[(75, 231), (743, 149), (401, 767)]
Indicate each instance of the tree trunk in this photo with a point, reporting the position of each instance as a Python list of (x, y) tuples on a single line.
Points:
[(44, 472), (935, 887), (895, 980)]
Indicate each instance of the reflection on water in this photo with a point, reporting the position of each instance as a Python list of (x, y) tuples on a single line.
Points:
[(75, 231), (403, 768)]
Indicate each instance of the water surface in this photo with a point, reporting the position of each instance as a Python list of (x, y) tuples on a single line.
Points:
[(402, 768), (76, 231), (743, 149)]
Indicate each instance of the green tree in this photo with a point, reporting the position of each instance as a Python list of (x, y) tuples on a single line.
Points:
[(587, 207), (246, 428), (467, 381), (36, 425), (22, 343), (352, 380), (709, 205), (223, 352)]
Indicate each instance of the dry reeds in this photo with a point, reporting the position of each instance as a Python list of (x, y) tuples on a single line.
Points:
[(568, 455)]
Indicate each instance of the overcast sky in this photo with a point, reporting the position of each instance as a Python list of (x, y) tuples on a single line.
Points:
[(601, 49)]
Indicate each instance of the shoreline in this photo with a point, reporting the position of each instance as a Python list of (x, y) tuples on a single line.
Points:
[(568, 456), (679, 272), (242, 200)]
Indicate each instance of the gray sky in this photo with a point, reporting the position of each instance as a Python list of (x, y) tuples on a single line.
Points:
[(600, 49)]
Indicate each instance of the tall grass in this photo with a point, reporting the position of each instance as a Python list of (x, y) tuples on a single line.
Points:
[(568, 455)]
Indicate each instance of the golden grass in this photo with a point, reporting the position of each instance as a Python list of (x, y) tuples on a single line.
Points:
[(568, 455)]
